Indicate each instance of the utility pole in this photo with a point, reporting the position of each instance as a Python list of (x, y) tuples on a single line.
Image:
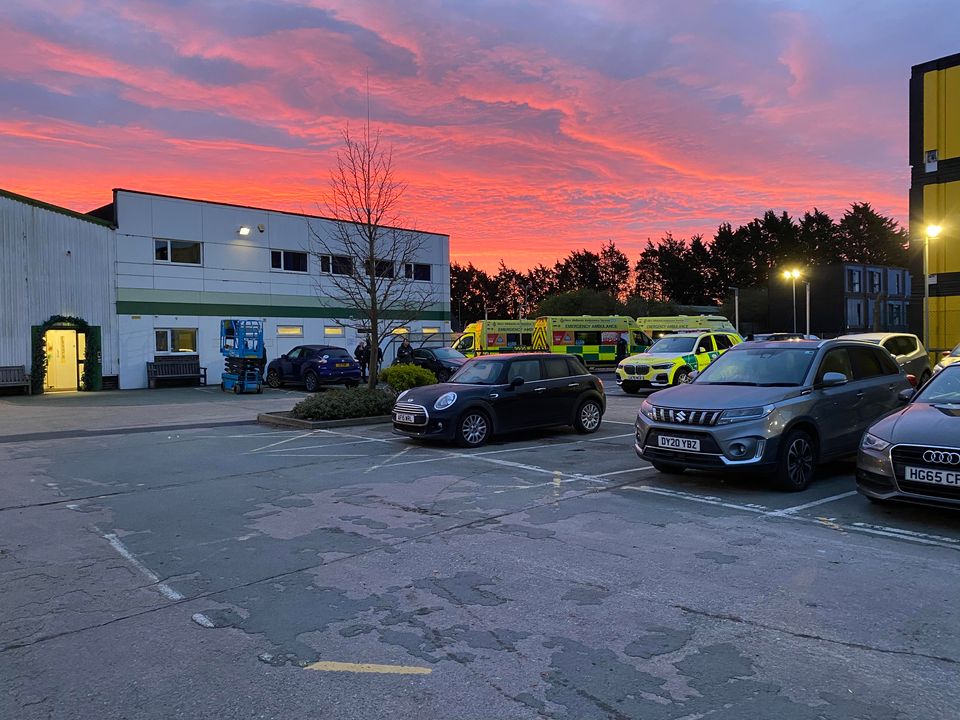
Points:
[(736, 308)]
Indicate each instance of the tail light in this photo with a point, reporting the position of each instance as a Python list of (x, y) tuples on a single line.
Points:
[(912, 379)]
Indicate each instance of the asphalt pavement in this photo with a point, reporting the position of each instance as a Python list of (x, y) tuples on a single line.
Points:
[(245, 572)]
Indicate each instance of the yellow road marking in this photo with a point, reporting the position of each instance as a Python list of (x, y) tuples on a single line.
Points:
[(331, 666)]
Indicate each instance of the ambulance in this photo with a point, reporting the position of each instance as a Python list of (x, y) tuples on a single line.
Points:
[(486, 337), (593, 338), (656, 327)]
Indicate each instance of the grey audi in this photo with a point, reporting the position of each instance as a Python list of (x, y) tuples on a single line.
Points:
[(777, 407), (914, 454)]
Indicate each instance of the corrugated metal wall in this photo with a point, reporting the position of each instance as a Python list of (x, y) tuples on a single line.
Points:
[(54, 264)]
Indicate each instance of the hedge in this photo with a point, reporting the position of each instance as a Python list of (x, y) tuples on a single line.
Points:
[(406, 376), (345, 403)]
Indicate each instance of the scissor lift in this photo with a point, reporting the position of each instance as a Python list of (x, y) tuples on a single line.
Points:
[(241, 343)]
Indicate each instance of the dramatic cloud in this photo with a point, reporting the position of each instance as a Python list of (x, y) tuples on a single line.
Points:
[(525, 128)]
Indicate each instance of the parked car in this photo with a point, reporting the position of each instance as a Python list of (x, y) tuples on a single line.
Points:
[(779, 407), (905, 348), (914, 454), (773, 337), (672, 359), (442, 362), (490, 395), (947, 357), (313, 366)]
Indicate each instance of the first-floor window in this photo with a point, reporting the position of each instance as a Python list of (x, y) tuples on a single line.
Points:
[(176, 340), (416, 271), (336, 264), (187, 252), (289, 260)]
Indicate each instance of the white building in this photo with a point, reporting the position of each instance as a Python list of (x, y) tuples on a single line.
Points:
[(175, 267), (56, 263)]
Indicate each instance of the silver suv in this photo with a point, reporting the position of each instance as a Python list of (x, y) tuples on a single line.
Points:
[(781, 407)]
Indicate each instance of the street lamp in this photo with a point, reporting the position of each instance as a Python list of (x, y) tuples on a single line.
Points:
[(736, 308), (932, 231), (792, 275)]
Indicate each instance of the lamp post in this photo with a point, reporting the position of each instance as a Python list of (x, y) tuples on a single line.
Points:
[(807, 283), (792, 275), (932, 231), (736, 309)]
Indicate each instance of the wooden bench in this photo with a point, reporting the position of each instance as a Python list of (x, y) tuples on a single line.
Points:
[(15, 376), (175, 369)]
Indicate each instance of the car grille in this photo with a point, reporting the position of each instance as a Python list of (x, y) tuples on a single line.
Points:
[(678, 416), (419, 412), (636, 369), (913, 455)]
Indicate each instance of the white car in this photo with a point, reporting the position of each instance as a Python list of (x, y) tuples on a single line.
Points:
[(905, 348), (948, 358)]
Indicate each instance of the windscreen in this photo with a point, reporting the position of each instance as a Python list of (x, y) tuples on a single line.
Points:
[(479, 372), (465, 343), (338, 353), (448, 354), (944, 387), (759, 366), (673, 345)]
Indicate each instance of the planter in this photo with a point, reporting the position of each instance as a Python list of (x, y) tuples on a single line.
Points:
[(286, 419)]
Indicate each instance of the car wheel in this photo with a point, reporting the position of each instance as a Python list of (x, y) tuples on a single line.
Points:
[(311, 382), (273, 379), (473, 429), (682, 377), (798, 459), (630, 388), (588, 417), (668, 467), (237, 389)]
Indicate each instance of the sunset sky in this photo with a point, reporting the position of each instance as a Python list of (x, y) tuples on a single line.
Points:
[(524, 128)]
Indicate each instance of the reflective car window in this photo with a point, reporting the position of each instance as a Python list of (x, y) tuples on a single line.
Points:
[(944, 387), (479, 372), (908, 345), (836, 361), (866, 362), (527, 369), (705, 345), (295, 353), (673, 345), (759, 366), (575, 367), (723, 342), (556, 367)]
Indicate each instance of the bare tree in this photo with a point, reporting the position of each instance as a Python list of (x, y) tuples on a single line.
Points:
[(368, 259)]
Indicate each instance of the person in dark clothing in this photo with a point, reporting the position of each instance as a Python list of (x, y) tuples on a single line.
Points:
[(362, 355), (405, 352), (622, 347)]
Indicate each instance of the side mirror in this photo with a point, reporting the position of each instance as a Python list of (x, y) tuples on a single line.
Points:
[(906, 395), (833, 379), (516, 382)]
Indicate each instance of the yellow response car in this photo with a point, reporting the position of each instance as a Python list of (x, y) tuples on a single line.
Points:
[(672, 359)]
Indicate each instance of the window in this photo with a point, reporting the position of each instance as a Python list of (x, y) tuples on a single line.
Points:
[(176, 340), (867, 362), (854, 279), (586, 338), (723, 342), (854, 313), (336, 264), (177, 251), (295, 353), (529, 370), (416, 271), (333, 332), (895, 314), (876, 281), (574, 366), (556, 367), (835, 361), (430, 331), (420, 354), (289, 330), (383, 269), (705, 345), (288, 260)]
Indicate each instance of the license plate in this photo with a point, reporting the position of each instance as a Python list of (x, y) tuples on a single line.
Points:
[(404, 418), (934, 477), (677, 443), (343, 364)]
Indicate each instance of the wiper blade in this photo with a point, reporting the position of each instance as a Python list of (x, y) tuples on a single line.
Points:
[(730, 382), (780, 384)]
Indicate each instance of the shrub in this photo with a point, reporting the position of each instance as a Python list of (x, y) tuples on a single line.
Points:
[(405, 376), (345, 403)]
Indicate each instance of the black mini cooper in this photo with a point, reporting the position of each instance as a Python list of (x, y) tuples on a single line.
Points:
[(503, 393)]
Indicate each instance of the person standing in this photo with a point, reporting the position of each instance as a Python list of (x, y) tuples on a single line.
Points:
[(405, 352), (362, 355), (622, 348)]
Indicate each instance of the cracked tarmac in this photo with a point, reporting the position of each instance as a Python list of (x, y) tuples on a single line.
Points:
[(549, 575)]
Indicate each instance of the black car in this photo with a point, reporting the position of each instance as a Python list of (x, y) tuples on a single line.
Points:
[(914, 454), (313, 366), (503, 393), (442, 362)]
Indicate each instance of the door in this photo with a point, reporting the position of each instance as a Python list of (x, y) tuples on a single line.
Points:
[(523, 406), (705, 352), (879, 377), (290, 364), (424, 358), (838, 408), (63, 370), (563, 391)]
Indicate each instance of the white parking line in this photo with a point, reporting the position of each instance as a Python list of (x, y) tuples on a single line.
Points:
[(387, 461), (645, 468), (821, 501), (168, 592), (704, 499), (335, 443), (281, 442)]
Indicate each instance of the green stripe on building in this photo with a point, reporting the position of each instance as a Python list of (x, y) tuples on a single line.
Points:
[(132, 307)]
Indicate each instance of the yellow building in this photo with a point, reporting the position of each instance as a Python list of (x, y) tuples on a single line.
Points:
[(935, 196)]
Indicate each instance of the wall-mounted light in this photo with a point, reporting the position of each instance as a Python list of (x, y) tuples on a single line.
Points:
[(244, 230)]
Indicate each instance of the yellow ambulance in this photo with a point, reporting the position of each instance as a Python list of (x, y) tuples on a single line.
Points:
[(593, 338), (495, 336), (656, 327)]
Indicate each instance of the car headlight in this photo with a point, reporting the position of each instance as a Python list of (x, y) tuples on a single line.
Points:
[(445, 401), (646, 409), (744, 414), (872, 442)]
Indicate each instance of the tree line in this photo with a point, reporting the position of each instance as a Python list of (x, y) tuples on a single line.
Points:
[(673, 273)]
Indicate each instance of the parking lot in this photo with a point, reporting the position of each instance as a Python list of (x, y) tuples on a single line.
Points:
[(350, 573)]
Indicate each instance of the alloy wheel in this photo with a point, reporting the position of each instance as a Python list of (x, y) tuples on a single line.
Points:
[(590, 416), (800, 462), (474, 429)]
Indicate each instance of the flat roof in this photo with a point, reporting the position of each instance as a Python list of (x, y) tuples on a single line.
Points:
[(258, 209)]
